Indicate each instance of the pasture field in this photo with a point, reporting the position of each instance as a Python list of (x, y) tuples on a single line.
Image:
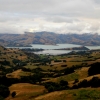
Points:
[(50, 77)]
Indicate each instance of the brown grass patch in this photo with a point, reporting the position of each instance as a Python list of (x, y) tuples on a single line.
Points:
[(26, 91), (18, 73)]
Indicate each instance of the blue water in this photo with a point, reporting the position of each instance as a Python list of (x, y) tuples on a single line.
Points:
[(49, 48), (58, 46), (53, 52)]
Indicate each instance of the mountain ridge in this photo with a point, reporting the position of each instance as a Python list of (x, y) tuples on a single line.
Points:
[(50, 38)]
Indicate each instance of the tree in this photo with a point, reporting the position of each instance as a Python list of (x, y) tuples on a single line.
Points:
[(94, 69), (52, 86), (83, 83), (4, 91), (1, 98), (76, 80), (37, 77), (95, 82), (63, 83), (13, 94)]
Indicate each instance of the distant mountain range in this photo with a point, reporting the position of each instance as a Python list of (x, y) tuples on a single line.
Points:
[(48, 38)]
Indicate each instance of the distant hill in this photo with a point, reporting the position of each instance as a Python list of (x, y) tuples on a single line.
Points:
[(48, 38), (10, 43)]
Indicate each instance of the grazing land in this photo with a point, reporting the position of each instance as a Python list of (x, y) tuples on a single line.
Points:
[(28, 76)]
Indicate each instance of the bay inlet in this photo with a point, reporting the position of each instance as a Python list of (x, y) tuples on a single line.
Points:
[(50, 49)]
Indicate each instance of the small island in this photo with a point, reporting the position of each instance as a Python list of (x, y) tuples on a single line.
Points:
[(74, 48)]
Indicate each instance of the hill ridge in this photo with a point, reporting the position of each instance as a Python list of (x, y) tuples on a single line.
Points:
[(49, 38)]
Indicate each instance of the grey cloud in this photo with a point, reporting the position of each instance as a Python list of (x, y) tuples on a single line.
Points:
[(94, 27), (48, 7), (96, 1), (44, 6), (61, 19), (76, 27), (24, 15)]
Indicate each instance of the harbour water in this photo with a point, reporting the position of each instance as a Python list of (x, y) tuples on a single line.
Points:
[(49, 49)]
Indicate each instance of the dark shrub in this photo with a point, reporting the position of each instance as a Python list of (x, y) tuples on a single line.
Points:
[(95, 82), (1, 98), (74, 87), (68, 70), (51, 86), (57, 61), (64, 61), (63, 83), (4, 91), (94, 69), (13, 94), (63, 65), (83, 83), (76, 80)]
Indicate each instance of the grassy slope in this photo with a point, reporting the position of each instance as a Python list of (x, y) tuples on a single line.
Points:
[(26, 91), (10, 54), (18, 73), (78, 74), (76, 94)]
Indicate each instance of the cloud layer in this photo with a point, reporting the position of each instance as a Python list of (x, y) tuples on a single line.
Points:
[(61, 16)]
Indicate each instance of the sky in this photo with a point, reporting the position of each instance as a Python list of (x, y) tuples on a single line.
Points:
[(59, 16)]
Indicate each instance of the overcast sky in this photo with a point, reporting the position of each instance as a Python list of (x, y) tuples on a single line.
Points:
[(61, 16)]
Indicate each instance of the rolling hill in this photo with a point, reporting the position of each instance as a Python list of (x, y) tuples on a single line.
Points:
[(47, 77)]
